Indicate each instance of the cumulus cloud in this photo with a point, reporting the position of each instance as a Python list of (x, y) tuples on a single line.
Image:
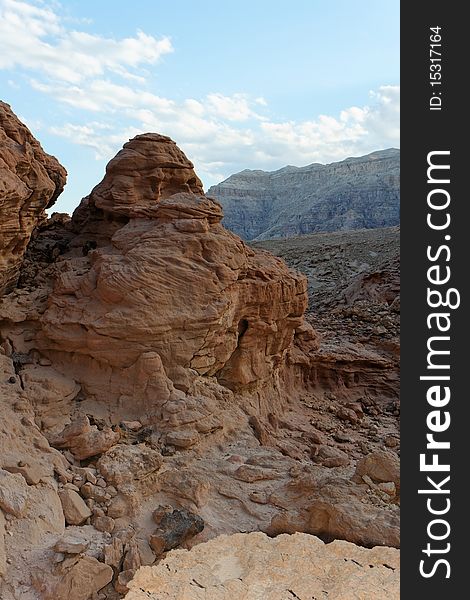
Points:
[(220, 133), (26, 31)]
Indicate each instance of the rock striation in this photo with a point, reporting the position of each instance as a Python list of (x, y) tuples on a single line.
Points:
[(169, 295), (30, 182), (253, 566), (355, 193)]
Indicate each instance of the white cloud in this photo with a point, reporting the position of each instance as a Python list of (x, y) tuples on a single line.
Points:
[(232, 108), (73, 56), (220, 133)]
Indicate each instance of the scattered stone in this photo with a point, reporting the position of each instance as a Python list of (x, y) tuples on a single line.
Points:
[(174, 528), (69, 545), (105, 524), (118, 507), (122, 580), (182, 439), (76, 512), (330, 457), (83, 579), (381, 466)]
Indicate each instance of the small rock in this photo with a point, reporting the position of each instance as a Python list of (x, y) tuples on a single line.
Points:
[(132, 425), (75, 510), (71, 486), (113, 553), (174, 529), (157, 543), (347, 414), (329, 457), (124, 577), (70, 546), (105, 524), (389, 488), (381, 466), (117, 507), (182, 439)]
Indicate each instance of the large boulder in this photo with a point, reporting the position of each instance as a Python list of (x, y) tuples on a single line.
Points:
[(159, 293), (253, 566)]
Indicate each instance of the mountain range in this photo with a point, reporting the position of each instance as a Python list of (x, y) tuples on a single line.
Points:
[(356, 193)]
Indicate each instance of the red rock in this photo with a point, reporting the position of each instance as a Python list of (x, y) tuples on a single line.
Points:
[(30, 182)]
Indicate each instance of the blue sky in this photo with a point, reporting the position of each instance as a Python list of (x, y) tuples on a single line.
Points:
[(246, 84)]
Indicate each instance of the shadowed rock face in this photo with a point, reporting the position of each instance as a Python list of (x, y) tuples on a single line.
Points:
[(353, 194), (30, 182)]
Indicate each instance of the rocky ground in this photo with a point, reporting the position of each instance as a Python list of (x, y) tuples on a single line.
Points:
[(162, 383)]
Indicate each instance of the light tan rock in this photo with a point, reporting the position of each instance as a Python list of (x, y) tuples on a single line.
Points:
[(13, 493), (253, 566), (85, 440), (125, 463), (30, 182), (76, 511), (84, 578), (381, 466)]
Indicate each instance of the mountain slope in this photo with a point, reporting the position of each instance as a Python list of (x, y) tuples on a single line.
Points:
[(355, 193)]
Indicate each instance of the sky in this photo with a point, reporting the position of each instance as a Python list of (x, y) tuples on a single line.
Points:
[(251, 84)]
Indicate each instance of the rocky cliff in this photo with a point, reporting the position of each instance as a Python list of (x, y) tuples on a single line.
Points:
[(353, 194), (30, 182), (160, 385)]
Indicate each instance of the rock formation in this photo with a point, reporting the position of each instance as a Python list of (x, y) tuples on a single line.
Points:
[(253, 566), (352, 194), (160, 385), (30, 182)]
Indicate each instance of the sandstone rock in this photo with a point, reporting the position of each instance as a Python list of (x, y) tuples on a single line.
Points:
[(253, 566), (84, 578), (113, 553), (103, 523), (329, 456), (13, 493), (182, 439), (69, 545), (244, 309), (76, 511), (85, 440), (124, 463), (30, 182), (380, 466), (121, 583), (118, 507)]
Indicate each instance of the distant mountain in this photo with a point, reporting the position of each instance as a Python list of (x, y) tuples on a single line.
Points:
[(355, 193)]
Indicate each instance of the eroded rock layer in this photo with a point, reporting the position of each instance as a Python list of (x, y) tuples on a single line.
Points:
[(30, 182)]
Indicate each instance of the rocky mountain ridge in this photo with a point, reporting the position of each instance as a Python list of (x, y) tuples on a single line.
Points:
[(355, 193)]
